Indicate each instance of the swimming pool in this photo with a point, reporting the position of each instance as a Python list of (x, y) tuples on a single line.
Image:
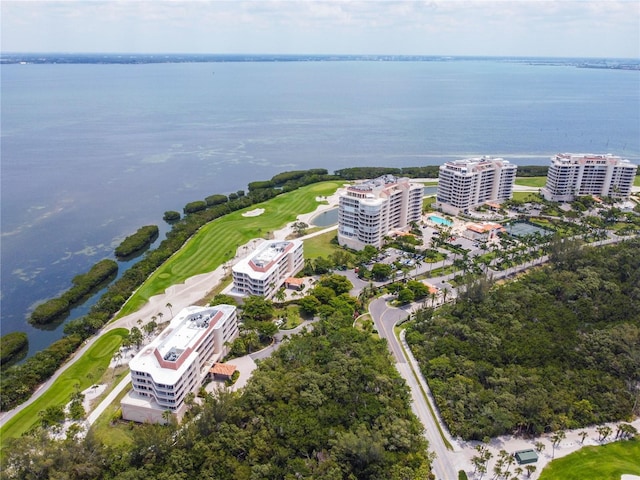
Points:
[(440, 220)]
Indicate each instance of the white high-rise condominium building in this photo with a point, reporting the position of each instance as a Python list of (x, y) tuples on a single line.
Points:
[(370, 210), (574, 174), (468, 183), (177, 361), (264, 272)]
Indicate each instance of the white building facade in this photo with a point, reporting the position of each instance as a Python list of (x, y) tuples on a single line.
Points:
[(264, 272), (177, 361), (574, 174), (370, 210), (468, 183)]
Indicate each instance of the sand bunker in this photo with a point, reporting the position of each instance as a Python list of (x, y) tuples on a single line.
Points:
[(254, 213)]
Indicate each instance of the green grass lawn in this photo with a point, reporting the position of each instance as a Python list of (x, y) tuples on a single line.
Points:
[(119, 433), (320, 245), (526, 196), (84, 372), (427, 203), (537, 182), (607, 462), (636, 181), (218, 241), (291, 314)]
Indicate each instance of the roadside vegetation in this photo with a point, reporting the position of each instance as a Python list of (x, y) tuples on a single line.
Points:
[(557, 349)]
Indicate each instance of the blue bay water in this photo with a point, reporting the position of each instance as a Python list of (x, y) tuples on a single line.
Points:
[(90, 153)]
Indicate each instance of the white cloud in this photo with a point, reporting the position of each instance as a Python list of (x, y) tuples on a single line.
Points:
[(580, 28)]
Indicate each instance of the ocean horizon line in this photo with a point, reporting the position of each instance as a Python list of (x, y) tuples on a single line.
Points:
[(176, 57)]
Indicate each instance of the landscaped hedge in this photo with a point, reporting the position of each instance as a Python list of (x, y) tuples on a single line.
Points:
[(144, 237)]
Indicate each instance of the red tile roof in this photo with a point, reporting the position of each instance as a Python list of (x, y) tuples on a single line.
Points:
[(224, 369)]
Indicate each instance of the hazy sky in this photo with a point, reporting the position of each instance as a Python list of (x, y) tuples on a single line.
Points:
[(608, 28)]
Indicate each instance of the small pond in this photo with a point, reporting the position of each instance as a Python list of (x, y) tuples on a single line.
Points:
[(326, 218)]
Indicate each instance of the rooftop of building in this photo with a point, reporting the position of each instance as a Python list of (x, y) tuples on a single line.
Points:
[(484, 227), (165, 357), (223, 369), (267, 255), (585, 158), (375, 183), (476, 164)]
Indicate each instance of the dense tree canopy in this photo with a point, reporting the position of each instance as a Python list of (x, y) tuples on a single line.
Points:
[(559, 348), (327, 405)]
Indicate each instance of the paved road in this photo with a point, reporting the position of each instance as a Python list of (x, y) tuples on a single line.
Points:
[(385, 318)]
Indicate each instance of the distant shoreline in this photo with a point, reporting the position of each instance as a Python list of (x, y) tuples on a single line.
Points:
[(140, 58)]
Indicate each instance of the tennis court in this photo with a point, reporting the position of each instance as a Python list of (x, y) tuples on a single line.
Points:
[(523, 229)]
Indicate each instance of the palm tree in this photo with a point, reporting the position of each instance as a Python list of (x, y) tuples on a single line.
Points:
[(445, 292), (280, 295), (604, 431), (169, 306), (150, 327), (556, 438), (167, 415), (160, 315), (434, 296), (582, 436), (189, 399), (117, 357), (530, 469)]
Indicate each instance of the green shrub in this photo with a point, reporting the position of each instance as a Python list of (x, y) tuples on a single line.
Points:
[(138, 241), (216, 199), (171, 216), (193, 207), (48, 311), (12, 345)]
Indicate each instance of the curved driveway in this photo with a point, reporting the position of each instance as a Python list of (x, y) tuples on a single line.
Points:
[(385, 319)]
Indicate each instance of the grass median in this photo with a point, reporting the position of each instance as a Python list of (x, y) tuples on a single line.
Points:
[(84, 372), (217, 241)]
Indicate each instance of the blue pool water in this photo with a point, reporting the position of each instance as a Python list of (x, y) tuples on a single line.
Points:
[(440, 221)]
